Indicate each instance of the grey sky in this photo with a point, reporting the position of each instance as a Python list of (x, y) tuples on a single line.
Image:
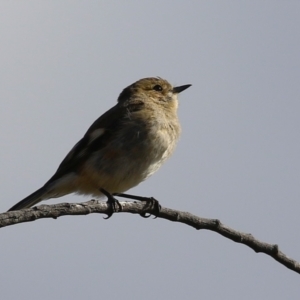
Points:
[(63, 63)]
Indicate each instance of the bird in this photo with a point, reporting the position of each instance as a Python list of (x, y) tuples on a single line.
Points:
[(122, 148)]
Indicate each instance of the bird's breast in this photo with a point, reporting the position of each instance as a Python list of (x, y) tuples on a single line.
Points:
[(134, 154)]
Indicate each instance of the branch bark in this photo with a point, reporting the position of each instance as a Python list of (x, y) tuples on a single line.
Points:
[(101, 207)]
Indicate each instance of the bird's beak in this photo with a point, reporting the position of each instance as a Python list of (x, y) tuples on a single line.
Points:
[(179, 89)]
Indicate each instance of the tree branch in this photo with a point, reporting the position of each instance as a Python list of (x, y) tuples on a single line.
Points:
[(101, 207)]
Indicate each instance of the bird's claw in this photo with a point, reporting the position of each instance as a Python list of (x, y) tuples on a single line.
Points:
[(112, 202), (154, 204)]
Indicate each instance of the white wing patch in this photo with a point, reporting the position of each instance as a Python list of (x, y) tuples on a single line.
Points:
[(95, 134)]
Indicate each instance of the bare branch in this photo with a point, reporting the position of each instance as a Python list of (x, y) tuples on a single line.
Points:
[(101, 207)]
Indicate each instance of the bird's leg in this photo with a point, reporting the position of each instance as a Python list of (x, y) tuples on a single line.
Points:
[(112, 201), (152, 202)]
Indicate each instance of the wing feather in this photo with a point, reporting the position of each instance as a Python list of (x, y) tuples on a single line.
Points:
[(97, 136)]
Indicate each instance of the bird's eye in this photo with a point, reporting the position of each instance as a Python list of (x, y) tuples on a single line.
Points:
[(157, 87)]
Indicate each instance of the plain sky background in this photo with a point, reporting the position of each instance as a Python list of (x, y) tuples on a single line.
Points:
[(64, 63)]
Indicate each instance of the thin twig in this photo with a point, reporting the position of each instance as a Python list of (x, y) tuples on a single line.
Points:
[(101, 207)]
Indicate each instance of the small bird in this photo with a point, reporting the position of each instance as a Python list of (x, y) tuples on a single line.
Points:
[(122, 148)]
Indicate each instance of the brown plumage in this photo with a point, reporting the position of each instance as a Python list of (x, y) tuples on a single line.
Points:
[(123, 147)]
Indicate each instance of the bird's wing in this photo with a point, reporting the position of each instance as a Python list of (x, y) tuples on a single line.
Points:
[(97, 136)]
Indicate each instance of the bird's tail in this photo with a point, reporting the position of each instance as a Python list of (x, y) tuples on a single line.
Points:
[(31, 200)]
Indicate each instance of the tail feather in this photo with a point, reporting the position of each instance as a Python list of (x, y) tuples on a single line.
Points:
[(31, 200)]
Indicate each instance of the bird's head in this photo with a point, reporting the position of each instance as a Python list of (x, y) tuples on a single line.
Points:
[(153, 89)]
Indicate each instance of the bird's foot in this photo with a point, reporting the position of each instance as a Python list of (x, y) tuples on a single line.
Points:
[(152, 202), (113, 203)]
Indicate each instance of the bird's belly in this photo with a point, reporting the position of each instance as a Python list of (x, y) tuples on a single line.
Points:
[(119, 170)]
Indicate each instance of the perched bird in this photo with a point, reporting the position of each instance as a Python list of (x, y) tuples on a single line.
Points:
[(122, 148)]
